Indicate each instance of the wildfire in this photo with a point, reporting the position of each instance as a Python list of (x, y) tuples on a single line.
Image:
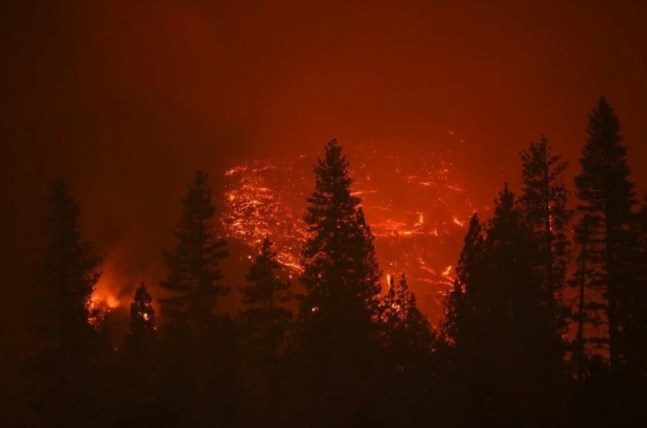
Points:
[(108, 301), (103, 300), (447, 272), (388, 279), (458, 222), (99, 306), (259, 203), (413, 205)]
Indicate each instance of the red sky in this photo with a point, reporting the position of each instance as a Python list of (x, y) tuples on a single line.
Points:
[(126, 101)]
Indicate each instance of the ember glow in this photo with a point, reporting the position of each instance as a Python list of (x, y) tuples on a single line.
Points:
[(262, 199), (103, 299), (417, 209), (99, 306)]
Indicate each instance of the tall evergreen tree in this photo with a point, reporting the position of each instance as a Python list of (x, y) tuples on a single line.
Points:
[(265, 317), (505, 346), (265, 322), (459, 304), (337, 320), (194, 272), (407, 368), (606, 200), (407, 335), (142, 314), (199, 349), (139, 362), (340, 269), (141, 337), (460, 379), (543, 201), (64, 340)]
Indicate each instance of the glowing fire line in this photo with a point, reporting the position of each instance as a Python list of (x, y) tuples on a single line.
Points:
[(418, 219)]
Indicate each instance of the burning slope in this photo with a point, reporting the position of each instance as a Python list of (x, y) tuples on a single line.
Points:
[(416, 208)]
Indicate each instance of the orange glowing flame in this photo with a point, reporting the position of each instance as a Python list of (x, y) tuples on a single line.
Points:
[(458, 222), (388, 279), (103, 300), (99, 306), (446, 273), (257, 205)]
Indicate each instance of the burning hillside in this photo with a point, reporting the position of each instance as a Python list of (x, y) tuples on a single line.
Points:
[(416, 207)]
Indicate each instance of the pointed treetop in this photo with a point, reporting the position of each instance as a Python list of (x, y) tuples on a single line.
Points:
[(340, 268), (332, 172), (604, 178), (504, 208), (268, 288), (194, 265), (604, 126), (470, 252), (63, 237), (197, 204), (142, 313)]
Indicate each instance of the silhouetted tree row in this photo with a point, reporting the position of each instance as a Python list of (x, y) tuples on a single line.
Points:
[(546, 322)]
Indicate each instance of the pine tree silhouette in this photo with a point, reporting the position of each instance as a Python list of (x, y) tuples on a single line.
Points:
[(199, 347), (506, 350), (461, 382), (543, 201), (142, 314), (265, 322), (140, 363), (339, 258), (408, 368), (141, 339), (194, 272), (337, 319), (461, 298), (407, 332), (64, 341), (607, 199)]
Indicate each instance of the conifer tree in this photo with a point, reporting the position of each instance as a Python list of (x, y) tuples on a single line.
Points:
[(194, 272), (340, 270), (64, 340), (337, 320), (606, 201), (460, 379), (408, 368), (514, 288), (408, 334), (140, 339), (459, 304), (142, 313), (265, 322), (265, 318), (543, 201), (139, 362), (198, 347), (505, 347)]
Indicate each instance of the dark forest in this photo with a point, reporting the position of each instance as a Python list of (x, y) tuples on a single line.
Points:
[(466, 280)]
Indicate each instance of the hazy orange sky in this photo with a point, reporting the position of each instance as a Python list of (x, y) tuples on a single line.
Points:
[(126, 101)]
